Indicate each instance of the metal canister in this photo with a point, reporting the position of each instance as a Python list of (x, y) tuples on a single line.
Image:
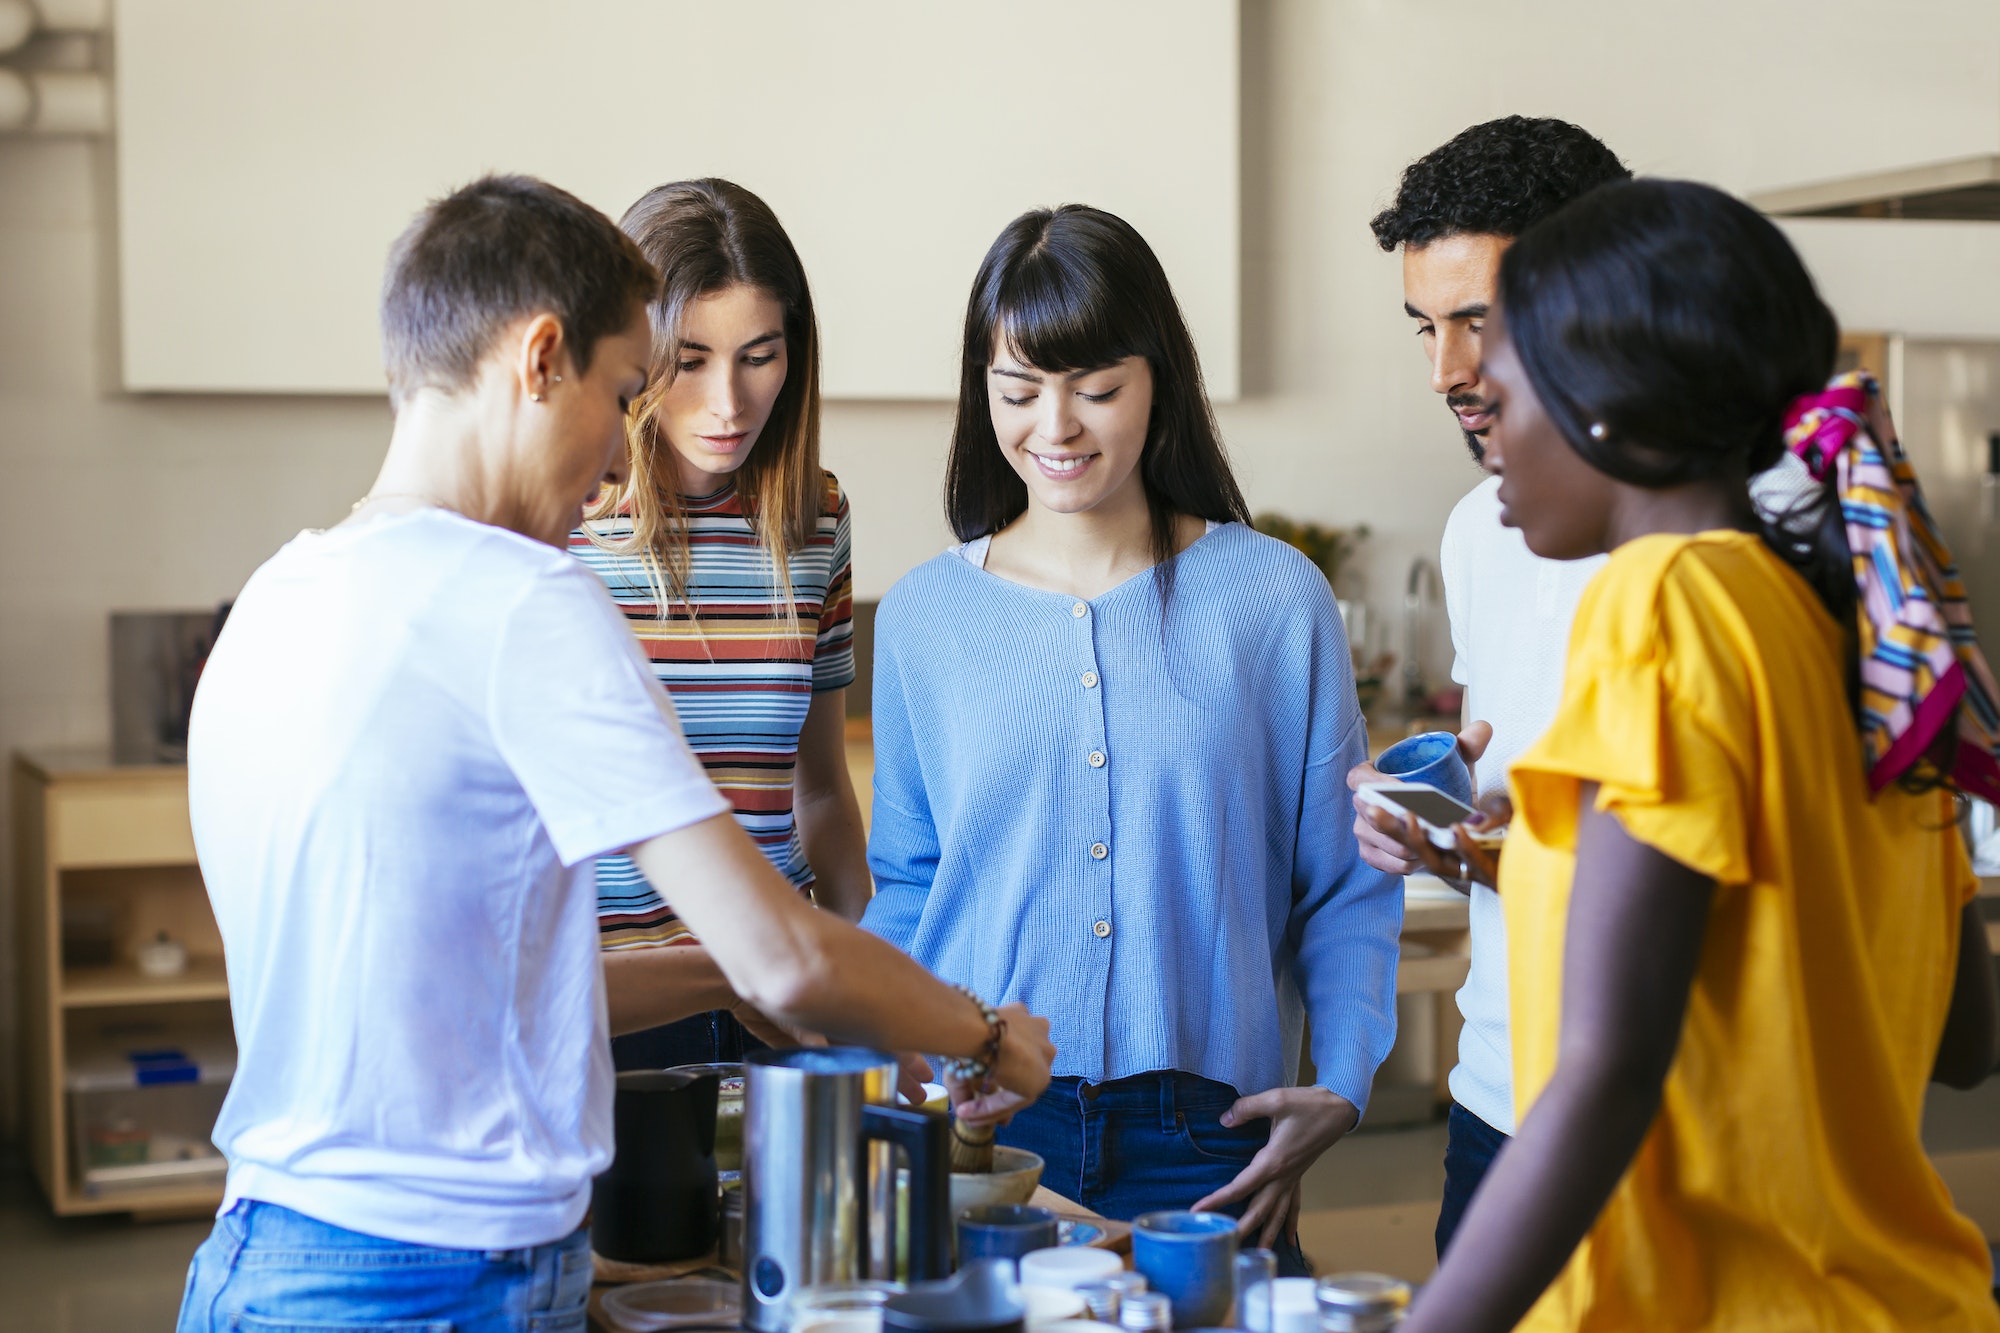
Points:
[(819, 1179), (1361, 1302)]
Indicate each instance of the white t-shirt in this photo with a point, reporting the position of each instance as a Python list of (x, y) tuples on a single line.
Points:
[(412, 739), (1511, 613)]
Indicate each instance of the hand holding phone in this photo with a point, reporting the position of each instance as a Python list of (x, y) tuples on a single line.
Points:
[(1436, 810), (1458, 853)]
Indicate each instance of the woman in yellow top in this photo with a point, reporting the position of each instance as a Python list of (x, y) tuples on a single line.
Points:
[(1737, 905)]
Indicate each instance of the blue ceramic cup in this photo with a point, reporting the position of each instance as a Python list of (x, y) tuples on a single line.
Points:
[(1190, 1258), (1431, 758), (1004, 1231)]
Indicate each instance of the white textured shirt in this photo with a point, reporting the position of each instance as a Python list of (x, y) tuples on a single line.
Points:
[(1510, 619), (1511, 613)]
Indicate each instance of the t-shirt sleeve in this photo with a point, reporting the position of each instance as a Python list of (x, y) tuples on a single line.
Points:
[(584, 726), (833, 654), (1658, 712)]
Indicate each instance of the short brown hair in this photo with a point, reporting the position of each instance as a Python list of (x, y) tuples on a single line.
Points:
[(499, 249)]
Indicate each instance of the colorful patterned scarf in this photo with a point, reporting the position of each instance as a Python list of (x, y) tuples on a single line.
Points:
[(1921, 668)]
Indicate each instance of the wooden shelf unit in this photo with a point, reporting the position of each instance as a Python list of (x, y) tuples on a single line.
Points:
[(123, 984), (87, 827)]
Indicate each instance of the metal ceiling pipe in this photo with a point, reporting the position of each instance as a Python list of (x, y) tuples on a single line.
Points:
[(48, 101), (18, 21), (73, 15), (17, 101)]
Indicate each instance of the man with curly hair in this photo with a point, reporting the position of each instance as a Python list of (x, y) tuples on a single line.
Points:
[(1458, 209)]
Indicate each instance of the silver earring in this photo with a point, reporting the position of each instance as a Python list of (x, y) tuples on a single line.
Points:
[(558, 379), (535, 397), (1599, 431)]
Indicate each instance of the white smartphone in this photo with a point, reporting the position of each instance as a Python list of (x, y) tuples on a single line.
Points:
[(1437, 811)]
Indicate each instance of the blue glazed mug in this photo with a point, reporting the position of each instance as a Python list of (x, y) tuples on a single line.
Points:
[(1005, 1231), (1431, 758), (1190, 1258)]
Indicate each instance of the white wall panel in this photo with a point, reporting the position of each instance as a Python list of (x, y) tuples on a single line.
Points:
[(269, 151)]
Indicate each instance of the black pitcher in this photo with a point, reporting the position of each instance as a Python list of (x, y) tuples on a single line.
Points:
[(656, 1203)]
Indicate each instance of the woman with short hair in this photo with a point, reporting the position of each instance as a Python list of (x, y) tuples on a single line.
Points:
[(415, 735)]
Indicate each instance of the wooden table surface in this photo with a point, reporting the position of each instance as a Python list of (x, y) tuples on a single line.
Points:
[(1117, 1238)]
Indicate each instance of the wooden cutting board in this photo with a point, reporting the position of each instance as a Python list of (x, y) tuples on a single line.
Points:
[(1117, 1236)]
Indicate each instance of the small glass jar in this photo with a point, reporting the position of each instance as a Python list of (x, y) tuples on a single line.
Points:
[(1361, 1302), (840, 1307), (729, 1247), (1256, 1270), (1145, 1312)]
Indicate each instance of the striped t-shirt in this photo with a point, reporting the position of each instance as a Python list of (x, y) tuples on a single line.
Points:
[(740, 679)]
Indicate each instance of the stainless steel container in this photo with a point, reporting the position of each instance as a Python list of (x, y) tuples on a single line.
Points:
[(819, 1130)]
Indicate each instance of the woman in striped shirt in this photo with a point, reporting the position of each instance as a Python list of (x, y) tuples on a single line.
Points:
[(728, 550)]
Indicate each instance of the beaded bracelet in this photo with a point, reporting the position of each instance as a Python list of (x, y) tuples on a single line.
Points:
[(977, 1068)]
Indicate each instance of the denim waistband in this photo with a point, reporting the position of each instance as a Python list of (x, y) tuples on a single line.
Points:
[(269, 1227), (1167, 1092)]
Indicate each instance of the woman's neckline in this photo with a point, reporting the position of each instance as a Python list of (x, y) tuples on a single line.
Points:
[(974, 552), (712, 498)]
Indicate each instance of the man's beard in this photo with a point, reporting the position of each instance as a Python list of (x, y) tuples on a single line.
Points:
[(1472, 439)]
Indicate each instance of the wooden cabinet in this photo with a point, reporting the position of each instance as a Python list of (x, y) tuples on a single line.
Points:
[(109, 847)]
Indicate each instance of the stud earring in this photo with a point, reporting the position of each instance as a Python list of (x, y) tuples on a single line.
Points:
[(558, 379), (535, 397), (1599, 431)]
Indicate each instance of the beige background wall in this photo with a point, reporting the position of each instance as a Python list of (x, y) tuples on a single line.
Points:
[(324, 122), (108, 502)]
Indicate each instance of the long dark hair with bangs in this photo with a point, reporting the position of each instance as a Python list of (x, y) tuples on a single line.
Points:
[(1070, 289)]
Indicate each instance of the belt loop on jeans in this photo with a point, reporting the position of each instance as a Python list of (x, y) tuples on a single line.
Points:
[(1167, 1110)]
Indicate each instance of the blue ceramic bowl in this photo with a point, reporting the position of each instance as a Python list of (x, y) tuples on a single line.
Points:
[(1190, 1258), (1005, 1231), (1431, 758)]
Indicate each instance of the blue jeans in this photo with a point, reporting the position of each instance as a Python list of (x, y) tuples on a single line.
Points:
[(705, 1039), (1470, 1145), (1148, 1143), (266, 1269)]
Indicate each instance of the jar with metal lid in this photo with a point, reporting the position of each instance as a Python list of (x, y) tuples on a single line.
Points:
[(1145, 1312), (1361, 1302), (1101, 1299)]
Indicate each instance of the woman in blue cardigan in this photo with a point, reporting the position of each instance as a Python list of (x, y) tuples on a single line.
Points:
[(1111, 735)]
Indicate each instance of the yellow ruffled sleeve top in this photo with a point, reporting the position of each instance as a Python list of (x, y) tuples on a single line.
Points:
[(1784, 1184)]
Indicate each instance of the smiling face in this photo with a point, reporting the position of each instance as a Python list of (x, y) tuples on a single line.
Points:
[(1074, 437), (732, 367), (1562, 505), (1448, 288)]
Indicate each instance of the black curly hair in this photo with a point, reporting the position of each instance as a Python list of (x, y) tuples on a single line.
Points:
[(1496, 179)]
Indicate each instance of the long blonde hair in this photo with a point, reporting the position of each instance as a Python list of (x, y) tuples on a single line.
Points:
[(705, 236)]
